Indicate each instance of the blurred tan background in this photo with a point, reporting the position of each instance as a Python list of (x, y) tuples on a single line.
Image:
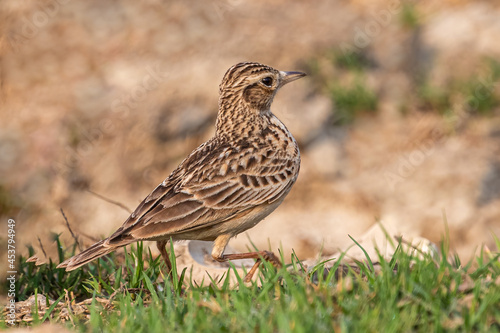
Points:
[(398, 120)]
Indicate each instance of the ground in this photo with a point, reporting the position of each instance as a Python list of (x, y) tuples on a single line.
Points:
[(111, 96)]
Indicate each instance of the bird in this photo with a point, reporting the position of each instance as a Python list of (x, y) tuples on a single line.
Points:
[(225, 186)]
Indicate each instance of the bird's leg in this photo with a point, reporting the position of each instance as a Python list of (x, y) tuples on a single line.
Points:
[(161, 245), (218, 250), (260, 255)]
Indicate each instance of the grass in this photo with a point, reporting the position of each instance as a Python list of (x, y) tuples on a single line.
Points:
[(409, 16), (351, 101), (351, 61), (479, 94), (340, 75), (438, 99), (410, 292)]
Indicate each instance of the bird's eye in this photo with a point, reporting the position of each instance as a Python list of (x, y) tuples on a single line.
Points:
[(268, 81)]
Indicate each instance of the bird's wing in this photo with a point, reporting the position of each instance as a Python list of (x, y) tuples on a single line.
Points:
[(209, 187)]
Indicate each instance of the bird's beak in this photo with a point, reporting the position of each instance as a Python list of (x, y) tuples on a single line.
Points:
[(287, 77)]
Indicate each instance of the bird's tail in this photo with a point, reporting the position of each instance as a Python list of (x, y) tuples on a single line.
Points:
[(95, 251)]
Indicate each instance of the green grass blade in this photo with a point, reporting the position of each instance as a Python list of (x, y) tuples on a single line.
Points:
[(151, 288), (366, 253), (51, 308)]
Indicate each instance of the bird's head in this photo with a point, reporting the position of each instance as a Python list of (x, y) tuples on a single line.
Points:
[(254, 84)]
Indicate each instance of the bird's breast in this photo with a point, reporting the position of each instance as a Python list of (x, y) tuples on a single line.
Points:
[(281, 139)]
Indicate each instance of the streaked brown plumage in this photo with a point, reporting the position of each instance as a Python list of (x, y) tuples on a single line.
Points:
[(228, 184)]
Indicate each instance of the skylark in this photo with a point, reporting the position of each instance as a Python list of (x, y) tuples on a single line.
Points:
[(225, 186)]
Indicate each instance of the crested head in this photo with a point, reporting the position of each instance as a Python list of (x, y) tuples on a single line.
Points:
[(247, 91)]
